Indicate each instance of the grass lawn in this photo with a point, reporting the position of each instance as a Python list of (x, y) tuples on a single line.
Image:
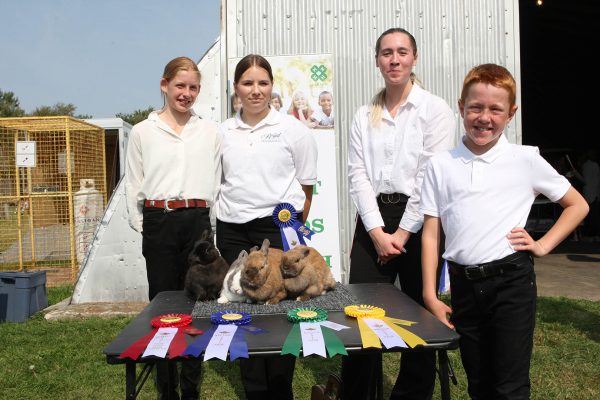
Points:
[(63, 359)]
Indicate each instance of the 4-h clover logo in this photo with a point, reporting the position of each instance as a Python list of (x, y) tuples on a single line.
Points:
[(318, 73)]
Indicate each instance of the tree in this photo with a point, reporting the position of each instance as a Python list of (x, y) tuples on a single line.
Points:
[(59, 109), (9, 105), (136, 116)]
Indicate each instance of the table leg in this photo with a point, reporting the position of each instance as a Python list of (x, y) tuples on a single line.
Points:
[(130, 381), (133, 383), (443, 372), (380, 377)]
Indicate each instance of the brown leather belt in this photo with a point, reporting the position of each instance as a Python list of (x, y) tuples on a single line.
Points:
[(169, 205)]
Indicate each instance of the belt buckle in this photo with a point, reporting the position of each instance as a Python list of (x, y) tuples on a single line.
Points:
[(387, 198), (474, 272), (167, 209)]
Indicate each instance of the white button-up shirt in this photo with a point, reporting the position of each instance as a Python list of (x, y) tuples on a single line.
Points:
[(264, 166), (162, 165), (390, 158), (479, 199)]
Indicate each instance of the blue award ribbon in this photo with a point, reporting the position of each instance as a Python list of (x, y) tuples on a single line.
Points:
[(293, 232), (199, 345), (230, 317), (238, 347)]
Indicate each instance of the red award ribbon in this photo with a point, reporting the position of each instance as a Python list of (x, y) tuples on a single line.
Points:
[(171, 321), (138, 347), (178, 344)]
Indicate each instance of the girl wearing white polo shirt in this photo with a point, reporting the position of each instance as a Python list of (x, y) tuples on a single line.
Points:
[(481, 193), (267, 158), (172, 171)]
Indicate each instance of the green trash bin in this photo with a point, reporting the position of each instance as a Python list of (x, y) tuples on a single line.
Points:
[(22, 294)]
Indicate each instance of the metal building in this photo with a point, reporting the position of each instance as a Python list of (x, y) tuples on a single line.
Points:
[(452, 37)]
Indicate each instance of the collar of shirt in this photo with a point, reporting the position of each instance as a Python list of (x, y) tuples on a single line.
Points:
[(154, 117), (272, 118), (489, 156), (415, 98)]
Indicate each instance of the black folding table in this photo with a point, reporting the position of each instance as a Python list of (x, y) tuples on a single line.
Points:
[(439, 338)]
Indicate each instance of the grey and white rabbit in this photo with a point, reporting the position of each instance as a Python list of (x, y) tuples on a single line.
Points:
[(305, 273), (232, 288), (261, 278)]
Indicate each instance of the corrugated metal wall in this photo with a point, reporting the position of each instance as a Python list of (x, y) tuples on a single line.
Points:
[(452, 36)]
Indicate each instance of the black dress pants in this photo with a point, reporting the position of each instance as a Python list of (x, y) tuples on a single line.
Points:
[(416, 378), (167, 239), (495, 318), (263, 378)]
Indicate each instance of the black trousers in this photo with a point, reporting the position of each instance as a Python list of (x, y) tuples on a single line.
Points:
[(495, 318), (591, 226), (167, 239), (416, 378), (263, 378)]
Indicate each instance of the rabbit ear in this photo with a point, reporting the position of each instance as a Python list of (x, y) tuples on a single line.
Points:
[(205, 234), (265, 246), (243, 254), (254, 248), (305, 252)]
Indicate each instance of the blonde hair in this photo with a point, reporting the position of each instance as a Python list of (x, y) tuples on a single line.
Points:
[(292, 108), (379, 101), (174, 66)]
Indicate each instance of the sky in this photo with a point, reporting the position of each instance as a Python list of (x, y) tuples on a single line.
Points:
[(105, 57)]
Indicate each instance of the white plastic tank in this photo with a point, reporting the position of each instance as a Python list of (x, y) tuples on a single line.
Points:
[(88, 208)]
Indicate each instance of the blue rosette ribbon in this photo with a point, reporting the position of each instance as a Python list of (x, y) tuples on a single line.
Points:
[(293, 232), (238, 347), (230, 317)]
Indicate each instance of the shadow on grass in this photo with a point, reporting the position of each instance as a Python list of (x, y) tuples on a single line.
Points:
[(563, 311), (583, 258)]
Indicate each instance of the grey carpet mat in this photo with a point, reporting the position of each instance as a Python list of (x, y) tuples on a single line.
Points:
[(334, 300)]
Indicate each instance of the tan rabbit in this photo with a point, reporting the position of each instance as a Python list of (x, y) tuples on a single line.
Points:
[(305, 273), (261, 277)]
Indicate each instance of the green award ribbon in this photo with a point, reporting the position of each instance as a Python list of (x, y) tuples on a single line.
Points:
[(293, 342)]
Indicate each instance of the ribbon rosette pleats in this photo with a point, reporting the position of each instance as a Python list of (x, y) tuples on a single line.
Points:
[(293, 232), (223, 338), (375, 328), (230, 317), (166, 337), (308, 334)]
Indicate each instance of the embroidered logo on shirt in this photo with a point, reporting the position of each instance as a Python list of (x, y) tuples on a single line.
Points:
[(271, 137)]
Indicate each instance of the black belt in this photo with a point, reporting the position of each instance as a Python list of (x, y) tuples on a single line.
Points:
[(392, 198), (492, 268)]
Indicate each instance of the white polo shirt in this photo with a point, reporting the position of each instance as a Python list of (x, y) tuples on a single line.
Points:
[(162, 165), (264, 166), (322, 118), (391, 157), (479, 199)]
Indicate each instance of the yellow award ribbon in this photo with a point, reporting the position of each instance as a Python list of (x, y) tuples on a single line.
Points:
[(401, 321), (410, 338), (368, 337)]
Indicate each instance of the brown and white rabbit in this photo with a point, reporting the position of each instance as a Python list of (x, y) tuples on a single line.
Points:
[(261, 277), (305, 273)]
